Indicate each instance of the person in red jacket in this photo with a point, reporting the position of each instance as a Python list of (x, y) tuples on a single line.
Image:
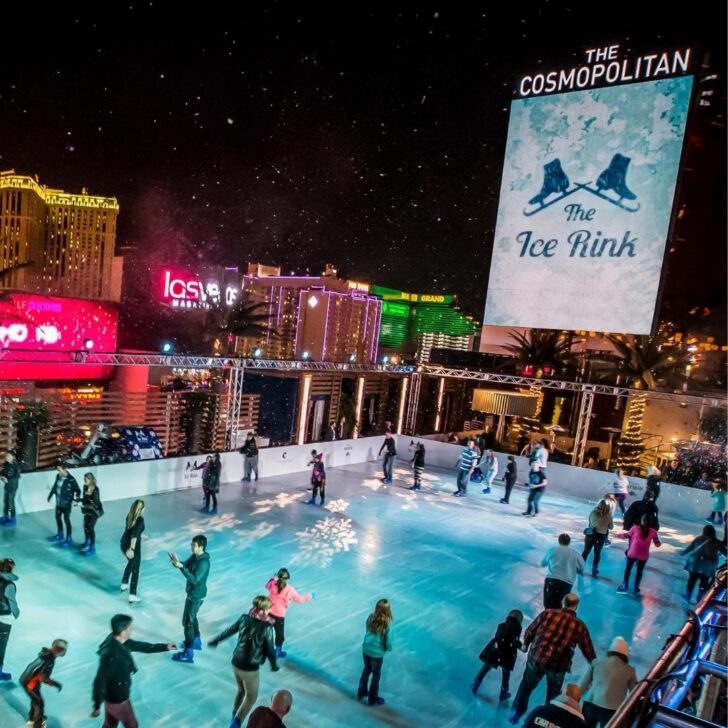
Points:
[(282, 594), (39, 672)]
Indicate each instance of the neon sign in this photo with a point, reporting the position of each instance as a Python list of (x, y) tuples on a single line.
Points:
[(187, 291)]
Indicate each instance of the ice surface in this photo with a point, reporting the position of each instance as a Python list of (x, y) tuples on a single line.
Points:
[(453, 568)]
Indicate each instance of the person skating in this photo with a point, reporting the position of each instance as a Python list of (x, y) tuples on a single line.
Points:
[(563, 564), (718, 498), (36, 674), (501, 652), (564, 711), (203, 467), (491, 470), (131, 547), (510, 478), (377, 642), (466, 465), (211, 481), (249, 451), (537, 483), (10, 475), (595, 534), (92, 510), (703, 558), (281, 594), (611, 501), (195, 571), (68, 494), (254, 647), (112, 683), (621, 488), (318, 477), (418, 466), (653, 481), (280, 706), (550, 641), (8, 608), (606, 684), (391, 452), (646, 506), (640, 538)]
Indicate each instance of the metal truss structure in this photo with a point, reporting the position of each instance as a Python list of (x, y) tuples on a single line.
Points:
[(413, 403), (582, 428)]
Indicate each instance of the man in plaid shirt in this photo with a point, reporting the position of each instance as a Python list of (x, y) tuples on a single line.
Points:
[(553, 636)]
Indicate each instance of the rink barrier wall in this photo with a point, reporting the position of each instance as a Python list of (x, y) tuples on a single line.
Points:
[(582, 483), (148, 477)]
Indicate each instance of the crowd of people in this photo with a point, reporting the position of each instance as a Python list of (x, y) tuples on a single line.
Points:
[(549, 641)]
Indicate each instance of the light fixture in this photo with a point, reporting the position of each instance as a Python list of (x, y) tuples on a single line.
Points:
[(88, 344), (385, 359), (305, 355), (257, 352), (352, 358), (167, 347)]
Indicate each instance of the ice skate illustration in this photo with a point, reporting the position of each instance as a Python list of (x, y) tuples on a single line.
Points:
[(555, 181), (613, 178)]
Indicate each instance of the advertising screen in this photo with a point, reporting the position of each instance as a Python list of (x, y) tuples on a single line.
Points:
[(585, 206)]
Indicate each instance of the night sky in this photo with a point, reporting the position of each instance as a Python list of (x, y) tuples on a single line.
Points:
[(369, 134)]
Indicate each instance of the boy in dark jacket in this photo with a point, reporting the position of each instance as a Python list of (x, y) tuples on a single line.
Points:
[(501, 652), (633, 516), (116, 666), (10, 475), (195, 570), (67, 493), (318, 477), (564, 711), (39, 672)]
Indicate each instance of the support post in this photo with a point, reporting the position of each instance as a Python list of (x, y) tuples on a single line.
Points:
[(582, 428), (234, 402), (413, 403)]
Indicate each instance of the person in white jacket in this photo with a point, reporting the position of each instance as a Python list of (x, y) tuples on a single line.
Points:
[(490, 466), (563, 564)]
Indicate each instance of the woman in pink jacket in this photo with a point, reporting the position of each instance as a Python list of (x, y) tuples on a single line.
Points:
[(640, 538), (282, 594)]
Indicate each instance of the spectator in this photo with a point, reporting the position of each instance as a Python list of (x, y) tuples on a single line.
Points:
[(280, 706), (551, 640), (672, 474), (703, 482), (646, 506), (563, 564), (564, 711), (606, 684), (330, 433)]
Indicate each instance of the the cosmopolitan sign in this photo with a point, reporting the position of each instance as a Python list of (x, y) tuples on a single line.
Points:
[(587, 195), (183, 290)]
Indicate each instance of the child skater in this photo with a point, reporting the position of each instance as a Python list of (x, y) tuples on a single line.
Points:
[(92, 510), (418, 464), (281, 595), (38, 672), (318, 477), (501, 652), (377, 642)]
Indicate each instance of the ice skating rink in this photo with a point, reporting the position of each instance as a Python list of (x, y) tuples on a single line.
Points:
[(452, 568)]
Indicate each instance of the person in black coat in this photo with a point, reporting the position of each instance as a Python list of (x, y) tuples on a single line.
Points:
[(510, 478), (10, 475), (564, 711), (67, 493), (211, 483), (633, 516), (250, 453), (418, 464), (92, 510), (501, 652)]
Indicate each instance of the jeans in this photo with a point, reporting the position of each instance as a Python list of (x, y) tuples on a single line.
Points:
[(132, 569), (251, 466), (505, 675), (534, 496), (63, 514), (373, 667), (319, 486), (4, 637), (463, 480), (279, 630), (189, 620), (510, 482), (554, 591), (693, 578), (116, 713), (595, 715), (621, 498), (387, 466), (595, 541), (36, 714), (9, 504), (248, 685), (209, 495), (89, 526), (628, 571), (532, 676)]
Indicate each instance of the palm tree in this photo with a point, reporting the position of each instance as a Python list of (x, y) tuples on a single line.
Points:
[(541, 352), (247, 319)]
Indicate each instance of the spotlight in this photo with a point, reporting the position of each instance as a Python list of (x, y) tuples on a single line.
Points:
[(385, 359), (88, 344), (257, 352), (305, 355), (352, 358), (167, 347)]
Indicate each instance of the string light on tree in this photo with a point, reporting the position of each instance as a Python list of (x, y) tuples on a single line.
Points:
[(631, 443)]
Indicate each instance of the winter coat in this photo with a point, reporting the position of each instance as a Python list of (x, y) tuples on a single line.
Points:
[(255, 643), (196, 570), (718, 497), (390, 446), (281, 599), (91, 503), (66, 491), (419, 458), (39, 671), (600, 524), (653, 484), (250, 448), (634, 514), (375, 644), (561, 712), (318, 474), (11, 473), (211, 477), (501, 650), (116, 666), (8, 605), (607, 682), (639, 547), (511, 473), (704, 555)]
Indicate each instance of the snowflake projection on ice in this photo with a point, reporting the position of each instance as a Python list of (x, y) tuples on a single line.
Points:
[(245, 538), (372, 483), (410, 500), (318, 544), (280, 501), (337, 506)]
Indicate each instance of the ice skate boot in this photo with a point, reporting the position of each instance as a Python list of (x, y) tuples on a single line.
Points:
[(186, 655), (554, 181), (613, 178), (10, 522)]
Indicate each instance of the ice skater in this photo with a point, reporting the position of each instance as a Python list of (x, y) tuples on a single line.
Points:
[(510, 478), (195, 570), (39, 672), (211, 483), (318, 478), (8, 608), (112, 683), (718, 506), (501, 652), (254, 647), (621, 487), (131, 547), (377, 642), (491, 470), (466, 465), (640, 538), (68, 494), (281, 595), (10, 475), (596, 533), (92, 510), (418, 465), (203, 467), (536, 488), (249, 450), (704, 554), (391, 453)]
